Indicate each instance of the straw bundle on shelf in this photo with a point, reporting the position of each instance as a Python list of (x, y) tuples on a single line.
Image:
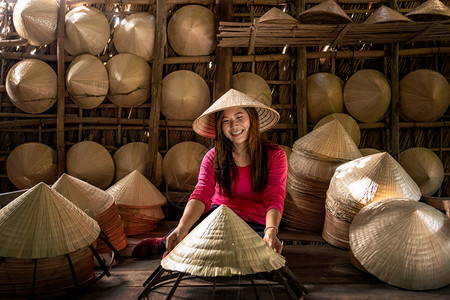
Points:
[(253, 86), (222, 245), (185, 95), (87, 81), (367, 95), (36, 20), (191, 31), (136, 35), (385, 14), (277, 16), (327, 12), (422, 91), (312, 163), (129, 80), (404, 243), (91, 162), (134, 156), (431, 10), (31, 86), (99, 205), (31, 163), (424, 167), (347, 121), (324, 96), (181, 165), (138, 201), (359, 182), (87, 31)]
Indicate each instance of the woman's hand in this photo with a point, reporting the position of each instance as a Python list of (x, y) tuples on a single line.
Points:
[(175, 237), (270, 237)]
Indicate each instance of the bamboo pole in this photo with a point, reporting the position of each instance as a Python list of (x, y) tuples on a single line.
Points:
[(60, 151), (395, 102), (157, 69), (300, 78)]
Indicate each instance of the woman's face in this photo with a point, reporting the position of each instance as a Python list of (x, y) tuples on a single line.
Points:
[(236, 125)]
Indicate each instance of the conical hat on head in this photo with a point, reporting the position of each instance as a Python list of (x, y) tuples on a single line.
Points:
[(205, 124), (137, 191), (431, 10), (43, 223), (404, 243), (327, 12), (386, 15), (85, 196), (277, 16), (222, 245)]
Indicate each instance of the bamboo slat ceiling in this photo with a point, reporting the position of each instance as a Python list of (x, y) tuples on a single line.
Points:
[(233, 34)]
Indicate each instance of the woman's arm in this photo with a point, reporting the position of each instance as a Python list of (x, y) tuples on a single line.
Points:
[(194, 209), (273, 218)]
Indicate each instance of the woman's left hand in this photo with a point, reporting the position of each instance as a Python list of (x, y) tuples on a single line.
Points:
[(270, 237)]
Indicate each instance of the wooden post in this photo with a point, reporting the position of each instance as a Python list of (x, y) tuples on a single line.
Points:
[(300, 83), (60, 142), (395, 95), (224, 63), (157, 68)]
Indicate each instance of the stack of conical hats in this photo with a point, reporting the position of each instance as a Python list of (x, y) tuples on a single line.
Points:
[(358, 183), (99, 205), (222, 245), (139, 203), (404, 243), (40, 229), (312, 163)]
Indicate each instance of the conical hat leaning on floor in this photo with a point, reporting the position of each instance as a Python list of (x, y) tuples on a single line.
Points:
[(222, 245)]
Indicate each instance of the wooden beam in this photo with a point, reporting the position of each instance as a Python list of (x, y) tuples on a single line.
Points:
[(300, 80), (395, 102), (61, 91)]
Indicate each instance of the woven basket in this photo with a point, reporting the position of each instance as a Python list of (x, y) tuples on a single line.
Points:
[(253, 86)]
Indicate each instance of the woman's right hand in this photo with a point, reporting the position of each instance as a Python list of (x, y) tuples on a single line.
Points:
[(175, 237)]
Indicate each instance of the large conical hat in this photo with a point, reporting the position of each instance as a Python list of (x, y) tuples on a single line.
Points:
[(327, 12), (424, 96), (42, 223), (350, 125), (85, 196), (368, 179), (31, 86), (185, 95), (404, 243), (367, 95), (181, 165), (129, 80), (87, 81), (431, 10), (31, 163), (91, 162), (136, 34), (133, 156), (253, 86), (324, 96), (222, 245), (36, 20), (330, 140), (425, 167), (137, 191), (277, 16), (205, 124), (385, 14), (191, 31), (87, 31)]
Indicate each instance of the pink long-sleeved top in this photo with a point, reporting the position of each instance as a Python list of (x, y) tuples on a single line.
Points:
[(250, 206)]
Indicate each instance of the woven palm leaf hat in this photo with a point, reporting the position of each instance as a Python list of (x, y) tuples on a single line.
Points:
[(277, 16), (31, 163), (404, 243), (425, 167), (424, 90), (136, 34), (87, 81), (87, 31), (36, 20), (431, 10), (327, 12), (31, 86), (253, 86), (385, 14), (205, 124), (42, 223), (350, 125), (222, 245)]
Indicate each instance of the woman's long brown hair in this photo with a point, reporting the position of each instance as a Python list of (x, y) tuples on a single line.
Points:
[(223, 158)]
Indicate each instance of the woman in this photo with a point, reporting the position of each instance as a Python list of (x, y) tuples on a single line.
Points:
[(242, 171)]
